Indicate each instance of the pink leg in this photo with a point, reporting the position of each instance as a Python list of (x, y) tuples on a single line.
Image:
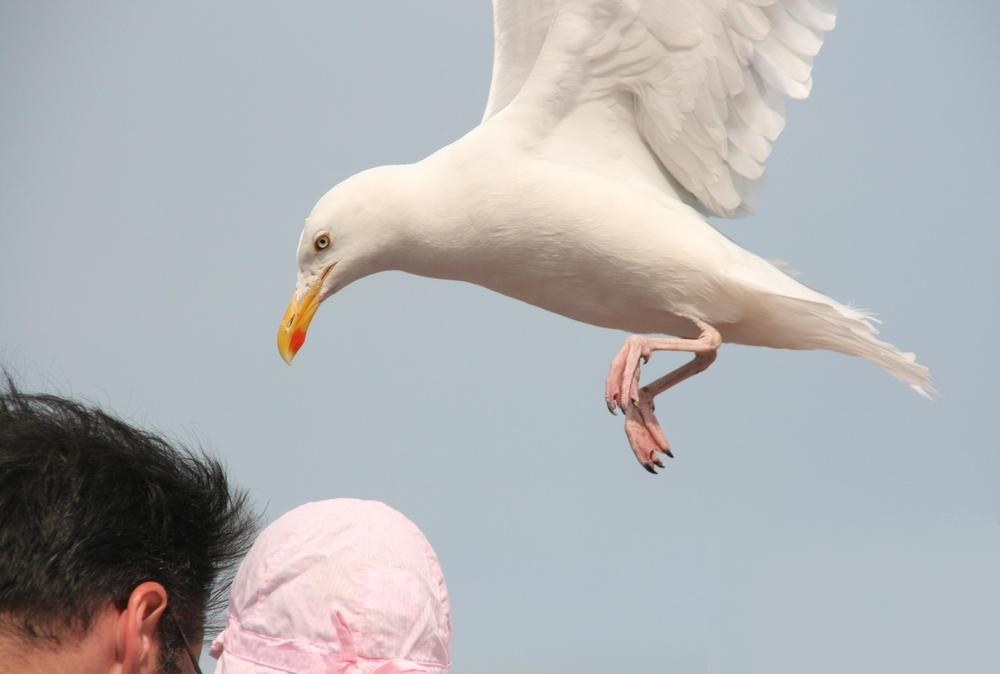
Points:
[(622, 391)]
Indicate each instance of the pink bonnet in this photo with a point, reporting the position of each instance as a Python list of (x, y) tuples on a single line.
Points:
[(338, 587)]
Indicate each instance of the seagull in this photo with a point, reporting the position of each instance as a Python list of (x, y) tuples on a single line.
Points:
[(612, 130)]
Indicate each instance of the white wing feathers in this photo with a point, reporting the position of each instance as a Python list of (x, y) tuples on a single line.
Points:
[(707, 78), (519, 29)]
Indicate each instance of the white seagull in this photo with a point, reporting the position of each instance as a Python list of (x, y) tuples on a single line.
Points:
[(613, 128)]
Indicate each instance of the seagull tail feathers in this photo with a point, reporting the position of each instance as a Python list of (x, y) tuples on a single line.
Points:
[(827, 324)]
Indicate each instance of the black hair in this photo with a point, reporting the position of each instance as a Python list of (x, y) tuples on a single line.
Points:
[(90, 507)]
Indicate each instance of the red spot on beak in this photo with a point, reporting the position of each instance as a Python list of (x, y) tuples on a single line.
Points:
[(298, 339)]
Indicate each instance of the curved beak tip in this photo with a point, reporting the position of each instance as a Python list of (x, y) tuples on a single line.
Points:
[(294, 344), (290, 340), (295, 322)]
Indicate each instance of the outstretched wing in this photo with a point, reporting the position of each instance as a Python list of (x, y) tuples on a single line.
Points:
[(519, 28), (703, 82)]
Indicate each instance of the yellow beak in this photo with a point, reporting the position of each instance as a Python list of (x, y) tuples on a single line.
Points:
[(295, 322)]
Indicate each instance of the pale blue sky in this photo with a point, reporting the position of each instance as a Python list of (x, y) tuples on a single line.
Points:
[(158, 160)]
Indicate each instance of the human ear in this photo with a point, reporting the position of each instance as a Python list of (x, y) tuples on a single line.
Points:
[(137, 647)]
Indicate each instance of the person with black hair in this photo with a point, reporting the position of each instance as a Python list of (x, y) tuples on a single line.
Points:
[(115, 546)]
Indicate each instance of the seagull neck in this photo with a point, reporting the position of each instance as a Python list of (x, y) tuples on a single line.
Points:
[(386, 210), (422, 219)]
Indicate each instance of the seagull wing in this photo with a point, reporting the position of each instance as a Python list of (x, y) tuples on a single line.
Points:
[(519, 28), (697, 84)]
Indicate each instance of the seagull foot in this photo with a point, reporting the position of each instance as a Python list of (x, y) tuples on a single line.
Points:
[(621, 388), (645, 436), (622, 391)]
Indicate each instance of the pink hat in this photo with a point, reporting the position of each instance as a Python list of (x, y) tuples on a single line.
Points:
[(338, 587)]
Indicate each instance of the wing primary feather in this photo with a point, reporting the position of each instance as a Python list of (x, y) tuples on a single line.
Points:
[(792, 65), (751, 22), (774, 74), (811, 14), (794, 34), (702, 82)]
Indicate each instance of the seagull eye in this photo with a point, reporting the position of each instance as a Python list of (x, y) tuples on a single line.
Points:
[(322, 241)]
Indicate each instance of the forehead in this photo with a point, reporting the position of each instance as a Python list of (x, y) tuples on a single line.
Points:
[(314, 222), (313, 225)]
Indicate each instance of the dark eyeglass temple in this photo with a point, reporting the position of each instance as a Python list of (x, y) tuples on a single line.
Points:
[(187, 644)]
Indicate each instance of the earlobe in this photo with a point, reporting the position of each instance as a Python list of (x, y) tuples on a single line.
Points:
[(137, 643)]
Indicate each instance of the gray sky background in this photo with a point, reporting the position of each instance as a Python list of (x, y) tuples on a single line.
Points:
[(158, 160)]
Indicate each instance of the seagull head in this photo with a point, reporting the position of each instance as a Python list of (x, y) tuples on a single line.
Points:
[(352, 231)]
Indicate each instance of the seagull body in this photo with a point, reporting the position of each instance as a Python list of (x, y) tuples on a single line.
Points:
[(560, 238), (613, 128)]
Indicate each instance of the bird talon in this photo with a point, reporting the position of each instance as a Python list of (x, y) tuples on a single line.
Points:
[(659, 463), (667, 451), (611, 407), (649, 468)]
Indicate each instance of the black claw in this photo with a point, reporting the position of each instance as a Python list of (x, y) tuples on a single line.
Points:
[(668, 452), (611, 407), (635, 402), (659, 463), (649, 468), (645, 359)]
